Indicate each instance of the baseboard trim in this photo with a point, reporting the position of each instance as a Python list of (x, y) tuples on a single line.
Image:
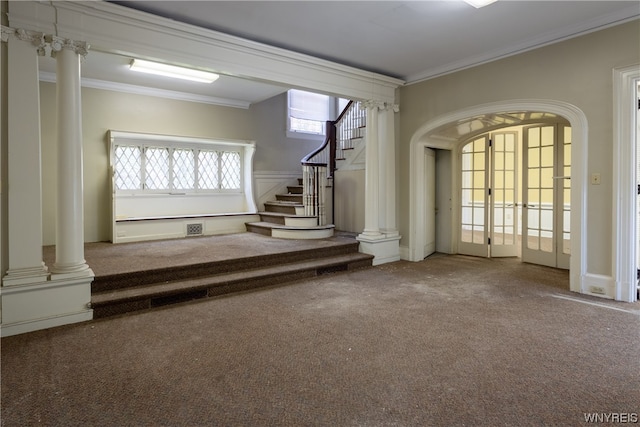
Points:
[(45, 323), (598, 285)]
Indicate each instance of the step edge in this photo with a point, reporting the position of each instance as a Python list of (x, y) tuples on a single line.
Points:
[(99, 299)]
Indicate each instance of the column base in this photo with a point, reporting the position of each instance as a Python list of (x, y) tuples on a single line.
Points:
[(384, 249), (67, 271), (25, 276), (45, 305)]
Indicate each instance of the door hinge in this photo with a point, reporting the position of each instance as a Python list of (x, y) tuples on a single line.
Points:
[(490, 142), (489, 240), (489, 191)]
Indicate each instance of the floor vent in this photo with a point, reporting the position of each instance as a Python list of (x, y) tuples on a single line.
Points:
[(194, 229)]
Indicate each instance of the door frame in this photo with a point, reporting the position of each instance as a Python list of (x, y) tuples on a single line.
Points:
[(625, 116), (423, 138)]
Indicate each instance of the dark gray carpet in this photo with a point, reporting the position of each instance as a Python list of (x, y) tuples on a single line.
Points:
[(451, 341)]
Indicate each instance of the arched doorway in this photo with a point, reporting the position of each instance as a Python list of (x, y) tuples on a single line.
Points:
[(515, 190), (481, 119)]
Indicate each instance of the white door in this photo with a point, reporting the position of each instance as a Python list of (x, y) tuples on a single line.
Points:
[(474, 217), (503, 195), (547, 195), (430, 198)]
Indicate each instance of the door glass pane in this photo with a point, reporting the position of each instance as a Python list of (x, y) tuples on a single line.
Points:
[(473, 192), (566, 185)]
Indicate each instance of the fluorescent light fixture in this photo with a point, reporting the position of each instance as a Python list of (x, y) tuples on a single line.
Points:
[(480, 3), (173, 71)]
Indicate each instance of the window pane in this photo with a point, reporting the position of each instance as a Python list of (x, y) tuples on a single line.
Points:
[(157, 168), (230, 170), (207, 170), (183, 169), (128, 164)]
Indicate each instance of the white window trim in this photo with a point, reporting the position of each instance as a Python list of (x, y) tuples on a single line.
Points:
[(118, 138), (333, 112), (246, 147)]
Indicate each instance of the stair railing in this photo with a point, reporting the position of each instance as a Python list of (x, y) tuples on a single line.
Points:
[(314, 176), (350, 128), (320, 164)]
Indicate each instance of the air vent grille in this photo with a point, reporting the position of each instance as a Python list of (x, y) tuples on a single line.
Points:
[(194, 229)]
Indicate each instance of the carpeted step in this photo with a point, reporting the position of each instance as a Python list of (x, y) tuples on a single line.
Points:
[(145, 276), (288, 207), (290, 232), (109, 303), (295, 189), (289, 198), (288, 219)]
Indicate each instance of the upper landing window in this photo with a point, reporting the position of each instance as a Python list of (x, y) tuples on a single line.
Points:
[(308, 112)]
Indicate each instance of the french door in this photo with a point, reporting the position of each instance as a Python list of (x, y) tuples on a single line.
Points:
[(516, 203), (547, 199), (489, 199)]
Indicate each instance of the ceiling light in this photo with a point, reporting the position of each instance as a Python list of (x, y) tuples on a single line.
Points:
[(173, 71), (480, 3)]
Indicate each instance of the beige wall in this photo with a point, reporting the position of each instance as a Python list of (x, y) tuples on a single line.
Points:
[(104, 110), (277, 152), (577, 71)]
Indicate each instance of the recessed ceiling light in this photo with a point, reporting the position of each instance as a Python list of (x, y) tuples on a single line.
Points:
[(173, 71), (480, 3)]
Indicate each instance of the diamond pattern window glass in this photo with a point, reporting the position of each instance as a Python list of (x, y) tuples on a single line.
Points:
[(230, 170), (187, 169), (127, 168), (184, 169), (208, 169), (156, 168)]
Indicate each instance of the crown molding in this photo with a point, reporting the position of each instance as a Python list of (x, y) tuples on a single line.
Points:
[(605, 21), (112, 28), (149, 91)]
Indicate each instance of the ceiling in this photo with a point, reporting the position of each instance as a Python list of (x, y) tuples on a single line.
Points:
[(410, 40)]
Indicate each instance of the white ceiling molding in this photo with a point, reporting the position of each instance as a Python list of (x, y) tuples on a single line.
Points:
[(148, 91), (616, 18), (114, 29)]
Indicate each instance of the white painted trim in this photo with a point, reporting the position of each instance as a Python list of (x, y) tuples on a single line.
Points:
[(47, 304), (50, 322), (591, 281), (384, 250), (149, 91), (565, 33), (421, 139), (623, 253), (112, 28)]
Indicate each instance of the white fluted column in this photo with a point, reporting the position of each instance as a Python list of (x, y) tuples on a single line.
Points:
[(387, 168), (24, 159), (70, 216), (379, 237), (372, 184)]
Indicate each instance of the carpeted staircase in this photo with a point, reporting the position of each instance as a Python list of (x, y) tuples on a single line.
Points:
[(285, 218), (120, 293)]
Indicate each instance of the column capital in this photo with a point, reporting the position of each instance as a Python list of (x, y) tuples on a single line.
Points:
[(380, 105), (45, 43), (36, 38), (372, 104), (6, 32), (59, 43)]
